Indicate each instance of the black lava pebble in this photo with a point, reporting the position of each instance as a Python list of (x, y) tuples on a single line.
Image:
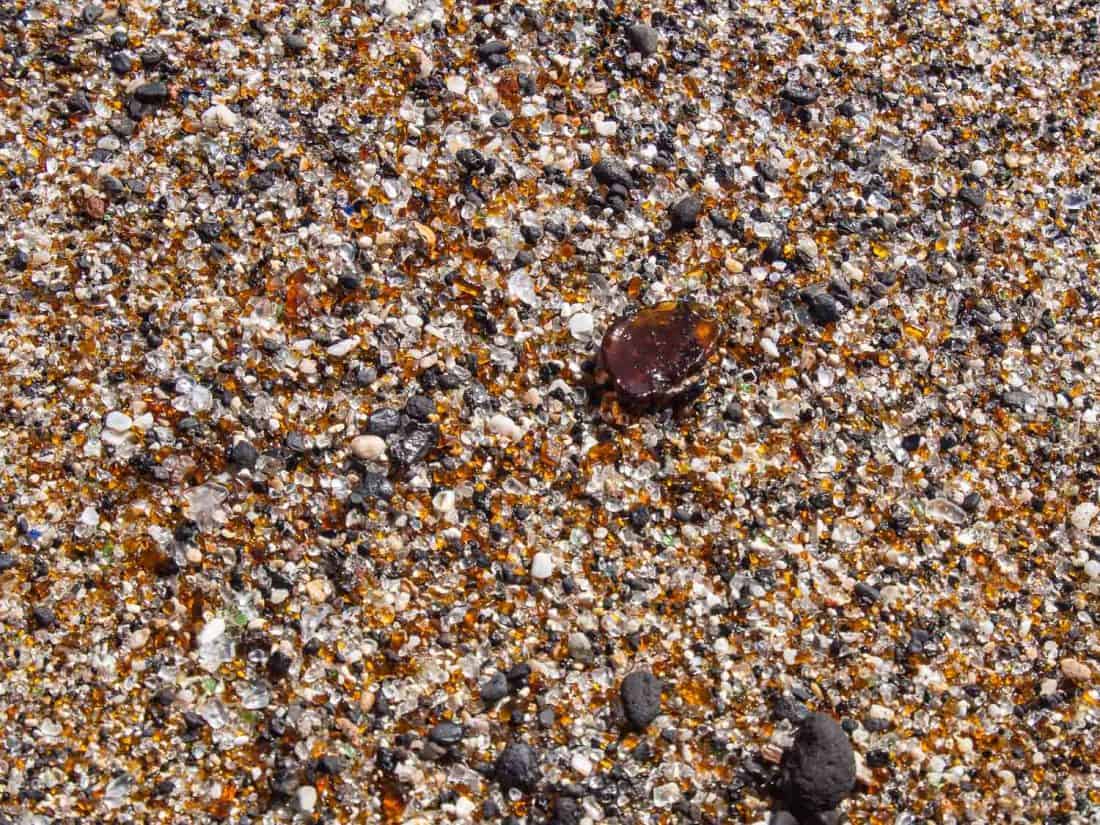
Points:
[(446, 734), (278, 665), (823, 308), (972, 197), (517, 767), (684, 214), (153, 94), (495, 688), (641, 696), (819, 769), (611, 172), (44, 617), (384, 421), (567, 811), (243, 455), (642, 39)]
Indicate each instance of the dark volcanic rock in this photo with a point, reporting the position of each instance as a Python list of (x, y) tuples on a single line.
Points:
[(684, 214), (567, 811), (152, 94), (641, 697), (446, 734), (642, 39), (822, 306), (243, 455), (800, 95), (819, 769), (611, 172), (494, 688), (517, 767)]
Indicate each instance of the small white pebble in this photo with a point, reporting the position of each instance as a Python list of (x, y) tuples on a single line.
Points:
[(342, 348), (307, 798), (464, 807), (444, 501), (979, 168), (929, 146), (807, 247), (1092, 569), (1083, 514), (542, 566), (139, 637), (606, 128), (397, 8), (368, 447), (581, 325), (219, 118), (89, 516), (212, 630), (581, 764), (505, 427), (665, 795), (120, 422), (456, 84)]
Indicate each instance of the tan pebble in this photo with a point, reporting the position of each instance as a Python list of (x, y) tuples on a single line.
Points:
[(366, 701), (318, 589), (368, 447), (1075, 670), (863, 773), (95, 208), (219, 118), (348, 728), (772, 753), (426, 234)]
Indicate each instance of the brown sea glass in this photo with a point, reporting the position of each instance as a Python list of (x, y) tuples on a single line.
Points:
[(648, 356)]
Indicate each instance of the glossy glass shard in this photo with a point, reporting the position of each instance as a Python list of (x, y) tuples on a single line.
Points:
[(647, 356)]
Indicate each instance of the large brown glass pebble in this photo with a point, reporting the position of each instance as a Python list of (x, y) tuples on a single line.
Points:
[(647, 356)]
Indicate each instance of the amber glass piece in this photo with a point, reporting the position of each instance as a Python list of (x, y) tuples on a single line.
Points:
[(647, 356)]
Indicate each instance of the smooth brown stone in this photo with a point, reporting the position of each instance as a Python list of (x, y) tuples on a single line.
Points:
[(647, 356)]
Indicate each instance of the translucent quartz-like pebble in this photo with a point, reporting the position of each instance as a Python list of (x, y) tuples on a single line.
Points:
[(648, 355)]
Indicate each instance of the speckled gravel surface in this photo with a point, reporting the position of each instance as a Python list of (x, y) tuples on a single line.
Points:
[(316, 504)]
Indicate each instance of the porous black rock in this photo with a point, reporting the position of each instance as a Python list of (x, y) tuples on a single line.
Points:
[(822, 306), (446, 734), (819, 768), (517, 767), (684, 214), (641, 697), (152, 94), (610, 172), (642, 39)]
